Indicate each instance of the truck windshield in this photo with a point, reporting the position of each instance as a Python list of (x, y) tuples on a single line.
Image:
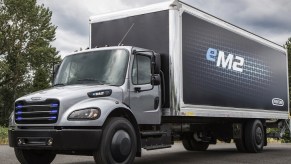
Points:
[(97, 67)]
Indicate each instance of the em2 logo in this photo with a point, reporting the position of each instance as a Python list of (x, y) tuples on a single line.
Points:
[(235, 63)]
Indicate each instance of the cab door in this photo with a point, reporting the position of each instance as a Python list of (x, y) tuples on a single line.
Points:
[(144, 97)]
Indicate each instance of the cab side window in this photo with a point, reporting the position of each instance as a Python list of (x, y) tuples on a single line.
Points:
[(141, 70)]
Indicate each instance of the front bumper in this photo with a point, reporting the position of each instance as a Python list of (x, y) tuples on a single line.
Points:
[(53, 139)]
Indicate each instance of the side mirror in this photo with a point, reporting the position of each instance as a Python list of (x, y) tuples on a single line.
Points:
[(156, 64), (156, 79)]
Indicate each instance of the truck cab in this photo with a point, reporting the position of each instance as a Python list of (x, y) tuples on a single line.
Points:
[(98, 93)]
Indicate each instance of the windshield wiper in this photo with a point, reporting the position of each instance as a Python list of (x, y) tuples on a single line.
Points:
[(59, 84), (91, 80)]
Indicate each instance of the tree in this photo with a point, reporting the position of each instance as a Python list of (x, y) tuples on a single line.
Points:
[(40, 80), (26, 55)]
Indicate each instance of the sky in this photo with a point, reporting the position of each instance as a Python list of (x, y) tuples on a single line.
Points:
[(267, 18)]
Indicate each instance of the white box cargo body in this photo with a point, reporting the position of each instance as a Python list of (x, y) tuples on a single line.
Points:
[(212, 68)]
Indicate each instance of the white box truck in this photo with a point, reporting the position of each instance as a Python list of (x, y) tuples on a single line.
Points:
[(154, 75)]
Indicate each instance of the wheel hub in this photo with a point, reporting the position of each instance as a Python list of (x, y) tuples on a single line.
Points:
[(121, 145), (259, 135)]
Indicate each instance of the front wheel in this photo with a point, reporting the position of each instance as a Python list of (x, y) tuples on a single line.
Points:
[(34, 156), (118, 144)]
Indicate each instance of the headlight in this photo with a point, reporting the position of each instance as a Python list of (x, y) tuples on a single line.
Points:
[(85, 114)]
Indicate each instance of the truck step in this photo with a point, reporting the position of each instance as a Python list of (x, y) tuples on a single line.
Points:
[(154, 147), (152, 133)]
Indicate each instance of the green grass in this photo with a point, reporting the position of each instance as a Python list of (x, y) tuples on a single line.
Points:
[(3, 135)]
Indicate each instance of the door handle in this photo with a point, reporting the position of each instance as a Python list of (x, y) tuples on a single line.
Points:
[(156, 102), (137, 89)]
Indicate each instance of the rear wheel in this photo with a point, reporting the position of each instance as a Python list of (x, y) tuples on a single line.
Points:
[(240, 145), (191, 144), (119, 143), (254, 136), (34, 156)]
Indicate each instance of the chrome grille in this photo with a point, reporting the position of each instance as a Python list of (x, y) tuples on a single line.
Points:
[(44, 112)]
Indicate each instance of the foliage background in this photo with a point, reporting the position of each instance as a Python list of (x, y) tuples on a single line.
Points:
[(3, 135), (26, 54)]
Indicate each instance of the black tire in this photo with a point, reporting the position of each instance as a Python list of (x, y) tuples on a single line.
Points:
[(186, 142), (34, 156), (240, 145), (191, 144), (119, 143), (254, 136)]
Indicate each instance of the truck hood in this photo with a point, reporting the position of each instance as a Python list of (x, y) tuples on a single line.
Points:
[(72, 94)]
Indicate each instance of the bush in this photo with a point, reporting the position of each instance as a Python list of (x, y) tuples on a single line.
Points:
[(286, 138), (3, 135)]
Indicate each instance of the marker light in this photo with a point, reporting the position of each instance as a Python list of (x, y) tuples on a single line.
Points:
[(54, 105), (53, 118), (19, 106), (19, 118), (101, 93), (54, 111)]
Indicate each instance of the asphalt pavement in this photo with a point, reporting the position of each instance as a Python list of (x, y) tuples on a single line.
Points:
[(216, 154)]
